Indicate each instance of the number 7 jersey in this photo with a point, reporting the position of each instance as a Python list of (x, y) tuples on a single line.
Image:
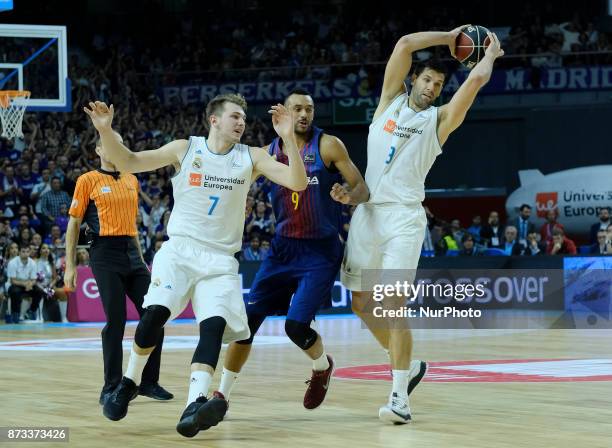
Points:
[(210, 192)]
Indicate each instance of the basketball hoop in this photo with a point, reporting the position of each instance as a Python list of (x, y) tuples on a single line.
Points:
[(13, 104)]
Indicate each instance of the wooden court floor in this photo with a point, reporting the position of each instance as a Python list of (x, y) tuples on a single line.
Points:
[(550, 388)]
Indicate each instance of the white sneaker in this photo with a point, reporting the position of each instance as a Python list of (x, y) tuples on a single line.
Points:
[(417, 372), (397, 410)]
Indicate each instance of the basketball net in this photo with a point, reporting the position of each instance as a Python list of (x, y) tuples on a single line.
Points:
[(13, 104)]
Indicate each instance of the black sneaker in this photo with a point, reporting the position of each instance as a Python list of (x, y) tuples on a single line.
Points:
[(104, 396), (155, 391), (202, 414), (106, 392), (116, 405)]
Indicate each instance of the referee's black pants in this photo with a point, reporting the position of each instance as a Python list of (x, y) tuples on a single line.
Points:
[(119, 270)]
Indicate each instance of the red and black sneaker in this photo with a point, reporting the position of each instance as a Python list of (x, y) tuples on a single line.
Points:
[(318, 385)]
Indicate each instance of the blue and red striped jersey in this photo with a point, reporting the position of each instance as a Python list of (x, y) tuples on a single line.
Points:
[(312, 213)]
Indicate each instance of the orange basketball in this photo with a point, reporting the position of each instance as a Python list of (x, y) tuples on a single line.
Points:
[(471, 44)]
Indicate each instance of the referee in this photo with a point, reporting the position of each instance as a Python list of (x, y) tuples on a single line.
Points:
[(108, 202)]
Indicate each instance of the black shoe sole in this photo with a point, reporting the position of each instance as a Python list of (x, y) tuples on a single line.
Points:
[(156, 397), (414, 382), (112, 417), (209, 414)]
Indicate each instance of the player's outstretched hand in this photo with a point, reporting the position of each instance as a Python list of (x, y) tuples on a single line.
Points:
[(281, 120), (452, 38), (340, 194), (101, 115), (494, 48)]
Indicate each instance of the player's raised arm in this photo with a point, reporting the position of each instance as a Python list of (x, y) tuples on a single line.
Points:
[(125, 160), (399, 63), (292, 176), (452, 114)]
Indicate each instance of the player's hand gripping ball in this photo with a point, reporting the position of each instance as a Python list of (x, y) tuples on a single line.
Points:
[(470, 45)]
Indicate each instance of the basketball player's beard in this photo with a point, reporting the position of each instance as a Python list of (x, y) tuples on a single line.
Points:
[(422, 104), (303, 134)]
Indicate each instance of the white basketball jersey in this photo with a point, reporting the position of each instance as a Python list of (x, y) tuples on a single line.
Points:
[(402, 147), (210, 194)]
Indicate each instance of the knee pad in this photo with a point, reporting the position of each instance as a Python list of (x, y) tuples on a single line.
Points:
[(209, 345), (300, 334), (150, 326), (255, 322)]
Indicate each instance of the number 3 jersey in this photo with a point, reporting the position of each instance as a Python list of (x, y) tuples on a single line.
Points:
[(210, 192), (402, 147), (312, 213)]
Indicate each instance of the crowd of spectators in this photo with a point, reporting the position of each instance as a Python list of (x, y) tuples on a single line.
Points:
[(263, 44), (547, 43), (517, 237), (343, 34)]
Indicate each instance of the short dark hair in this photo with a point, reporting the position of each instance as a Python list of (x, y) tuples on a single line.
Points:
[(215, 105), (558, 231), (467, 237), (432, 64), (56, 177), (524, 206), (297, 91), (24, 246)]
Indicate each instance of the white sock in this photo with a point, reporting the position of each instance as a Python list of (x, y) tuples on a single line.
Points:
[(387, 352), (228, 378), (136, 365), (63, 306), (400, 382), (198, 385), (321, 363)]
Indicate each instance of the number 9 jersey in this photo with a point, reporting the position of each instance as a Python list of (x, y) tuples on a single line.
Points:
[(210, 192), (312, 213)]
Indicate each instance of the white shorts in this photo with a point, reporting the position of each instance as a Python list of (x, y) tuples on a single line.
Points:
[(184, 269), (382, 236)]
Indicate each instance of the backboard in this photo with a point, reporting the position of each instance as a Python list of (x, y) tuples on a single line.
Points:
[(35, 58)]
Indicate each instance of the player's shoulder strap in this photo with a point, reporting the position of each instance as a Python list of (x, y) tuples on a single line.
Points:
[(274, 146), (395, 107)]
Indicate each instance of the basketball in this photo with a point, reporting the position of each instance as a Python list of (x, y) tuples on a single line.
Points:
[(471, 44)]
